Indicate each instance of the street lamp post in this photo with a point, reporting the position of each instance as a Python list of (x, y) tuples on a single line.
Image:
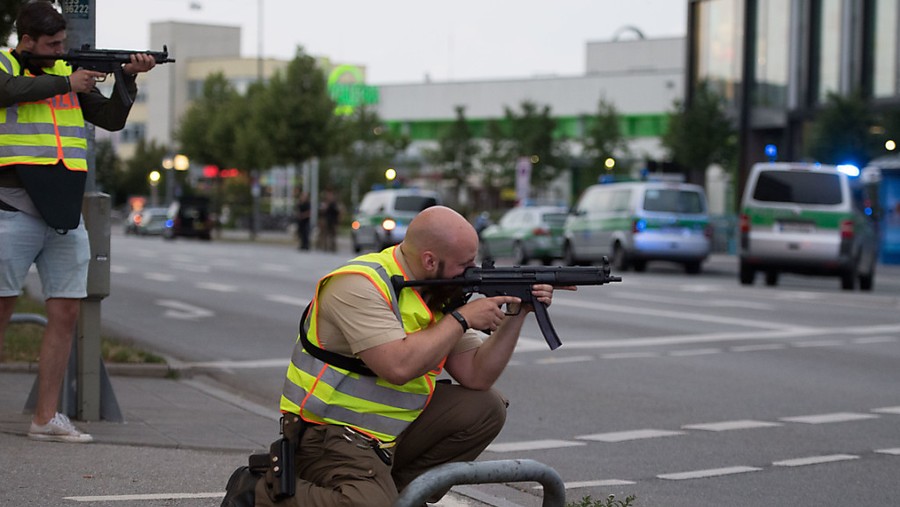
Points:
[(154, 183)]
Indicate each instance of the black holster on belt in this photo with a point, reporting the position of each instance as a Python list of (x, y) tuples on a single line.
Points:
[(278, 464)]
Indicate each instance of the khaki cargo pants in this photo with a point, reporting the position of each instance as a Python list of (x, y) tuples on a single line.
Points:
[(457, 425)]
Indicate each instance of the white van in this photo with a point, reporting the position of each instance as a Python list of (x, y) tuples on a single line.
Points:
[(383, 216), (810, 219), (636, 222)]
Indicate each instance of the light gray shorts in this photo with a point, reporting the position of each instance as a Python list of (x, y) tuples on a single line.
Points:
[(61, 259)]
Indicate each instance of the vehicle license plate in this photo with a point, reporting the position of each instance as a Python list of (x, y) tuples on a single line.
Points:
[(801, 227)]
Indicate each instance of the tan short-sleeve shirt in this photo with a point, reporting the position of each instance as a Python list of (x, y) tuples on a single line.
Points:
[(354, 316)]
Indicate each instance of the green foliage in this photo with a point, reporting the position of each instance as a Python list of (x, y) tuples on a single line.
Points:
[(609, 501), (604, 138), (208, 132), (531, 135), (457, 149), (108, 168), (841, 132), (701, 134)]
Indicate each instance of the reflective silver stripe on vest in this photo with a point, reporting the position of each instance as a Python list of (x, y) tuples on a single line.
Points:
[(12, 112), (363, 387), (10, 127), (6, 62), (30, 151)]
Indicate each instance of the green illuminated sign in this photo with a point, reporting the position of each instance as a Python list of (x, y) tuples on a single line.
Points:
[(350, 95)]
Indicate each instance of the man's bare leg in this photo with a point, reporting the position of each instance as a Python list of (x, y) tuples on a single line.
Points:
[(62, 314)]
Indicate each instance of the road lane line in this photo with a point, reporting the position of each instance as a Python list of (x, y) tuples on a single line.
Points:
[(159, 277), (743, 424), (875, 339), (758, 348), (887, 410), (561, 360), (533, 445), (629, 355), (814, 460), (288, 300), (829, 418), (600, 483), (218, 287), (818, 343), (183, 311), (155, 496), (712, 472), (893, 452), (694, 352), (623, 436)]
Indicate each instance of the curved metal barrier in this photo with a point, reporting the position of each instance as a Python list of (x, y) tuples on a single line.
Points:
[(483, 472)]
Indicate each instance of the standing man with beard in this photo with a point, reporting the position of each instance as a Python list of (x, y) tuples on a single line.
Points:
[(361, 396), (43, 167)]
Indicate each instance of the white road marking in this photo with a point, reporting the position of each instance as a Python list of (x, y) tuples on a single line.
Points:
[(193, 268), (818, 343), (743, 424), (712, 472), (530, 344), (722, 303), (240, 365), (159, 277), (183, 311), (156, 496), (622, 436), (591, 484), (829, 418), (887, 410), (629, 355), (218, 287), (672, 314), (288, 300), (893, 452), (758, 348), (694, 352), (875, 339), (532, 445), (560, 360), (814, 460), (115, 268)]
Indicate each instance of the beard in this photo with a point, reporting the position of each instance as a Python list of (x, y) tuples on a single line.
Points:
[(443, 298)]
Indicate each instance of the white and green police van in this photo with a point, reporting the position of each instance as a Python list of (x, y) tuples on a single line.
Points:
[(810, 219), (632, 223)]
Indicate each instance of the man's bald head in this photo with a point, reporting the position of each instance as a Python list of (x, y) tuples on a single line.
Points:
[(440, 233)]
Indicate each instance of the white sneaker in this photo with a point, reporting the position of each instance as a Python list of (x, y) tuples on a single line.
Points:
[(59, 429)]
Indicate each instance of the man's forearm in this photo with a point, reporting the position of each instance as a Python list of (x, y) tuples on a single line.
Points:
[(14, 90)]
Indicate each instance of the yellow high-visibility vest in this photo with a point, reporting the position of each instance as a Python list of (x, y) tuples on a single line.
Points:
[(324, 394), (43, 132)]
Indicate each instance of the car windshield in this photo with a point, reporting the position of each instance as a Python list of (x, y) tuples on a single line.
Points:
[(673, 201), (413, 203), (555, 219), (798, 187)]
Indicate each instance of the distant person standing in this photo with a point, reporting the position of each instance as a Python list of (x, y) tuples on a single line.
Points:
[(329, 216), (303, 215), (43, 166)]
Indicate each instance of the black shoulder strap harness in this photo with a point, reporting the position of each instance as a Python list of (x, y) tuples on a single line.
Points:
[(353, 364)]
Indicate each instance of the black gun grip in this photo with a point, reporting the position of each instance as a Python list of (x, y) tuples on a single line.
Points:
[(543, 319)]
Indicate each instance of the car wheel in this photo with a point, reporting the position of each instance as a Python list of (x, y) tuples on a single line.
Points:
[(619, 261), (547, 261), (867, 281), (747, 274), (692, 268), (848, 278), (486, 253), (520, 258), (640, 265), (771, 278)]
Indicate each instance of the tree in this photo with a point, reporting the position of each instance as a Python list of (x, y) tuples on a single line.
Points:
[(9, 9), (701, 134), (603, 140), (365, 149), (841, 132), (208, 131), (531, 135), (457, 150), (108, 168), (134, 181)]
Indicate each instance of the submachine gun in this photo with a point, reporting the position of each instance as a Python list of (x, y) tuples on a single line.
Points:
[(109, 61), (517, 281)]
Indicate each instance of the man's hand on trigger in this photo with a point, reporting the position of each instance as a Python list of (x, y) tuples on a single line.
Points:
[(486, 314), (83, 80)]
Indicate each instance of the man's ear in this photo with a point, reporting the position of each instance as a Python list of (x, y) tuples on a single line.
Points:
[(429, 261), (26, 43)]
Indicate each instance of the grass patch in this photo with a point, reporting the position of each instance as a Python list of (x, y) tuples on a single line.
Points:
[(23, 341), (609, 501)]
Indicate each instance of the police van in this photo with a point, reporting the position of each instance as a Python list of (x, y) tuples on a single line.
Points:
[(636, 222), (383, 216), (810, 219)]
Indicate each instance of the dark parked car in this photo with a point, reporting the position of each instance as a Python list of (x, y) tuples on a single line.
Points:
[(189, 217)]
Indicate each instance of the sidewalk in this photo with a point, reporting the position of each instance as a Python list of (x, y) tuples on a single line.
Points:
[(180, 441)]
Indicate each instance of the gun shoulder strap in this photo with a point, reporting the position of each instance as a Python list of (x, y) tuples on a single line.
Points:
[(352, 364)]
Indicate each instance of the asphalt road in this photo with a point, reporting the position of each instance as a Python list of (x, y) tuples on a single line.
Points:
[(682, 390)]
